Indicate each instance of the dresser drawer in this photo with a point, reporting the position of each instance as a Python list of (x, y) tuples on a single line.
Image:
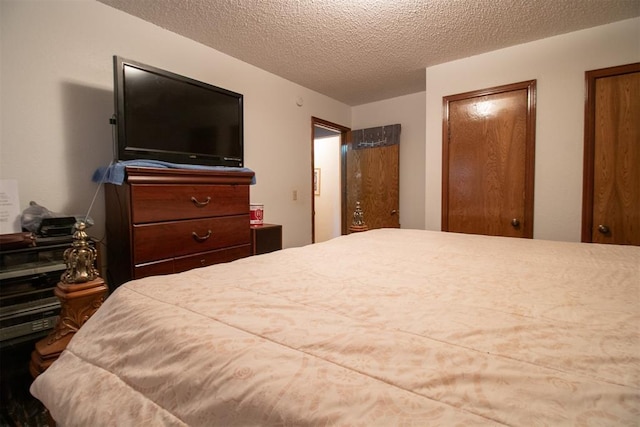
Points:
[(212, 257), (169, 266), (155, 268), (166, 202), (172, 239)]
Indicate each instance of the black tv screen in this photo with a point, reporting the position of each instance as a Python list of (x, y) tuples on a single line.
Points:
[(164, 116)]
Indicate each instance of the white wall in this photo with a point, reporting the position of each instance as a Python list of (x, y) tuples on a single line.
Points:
[(328, 204), (559, 65), (56, 98), (409, 111), (57, 83)]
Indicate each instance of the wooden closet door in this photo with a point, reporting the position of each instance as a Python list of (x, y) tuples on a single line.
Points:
[(488, 149), (611, 195)]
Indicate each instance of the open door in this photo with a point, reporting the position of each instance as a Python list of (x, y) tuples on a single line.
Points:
[(372, 163)]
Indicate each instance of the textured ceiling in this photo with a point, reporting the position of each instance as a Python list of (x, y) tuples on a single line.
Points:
[(359, 51)]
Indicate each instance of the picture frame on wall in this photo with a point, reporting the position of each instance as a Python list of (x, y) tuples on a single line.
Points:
[(316, 181)]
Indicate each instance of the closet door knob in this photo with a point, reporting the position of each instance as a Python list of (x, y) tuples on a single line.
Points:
[(604, 229), (515, 222)]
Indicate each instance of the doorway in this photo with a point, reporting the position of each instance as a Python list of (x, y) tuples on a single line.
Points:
[(328, 142), (373, 175)]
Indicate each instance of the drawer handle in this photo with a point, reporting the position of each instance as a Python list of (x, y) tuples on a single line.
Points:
[(201, 238), (200, 204)]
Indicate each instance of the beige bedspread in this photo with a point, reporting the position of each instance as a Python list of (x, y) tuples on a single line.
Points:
[(383, 328)]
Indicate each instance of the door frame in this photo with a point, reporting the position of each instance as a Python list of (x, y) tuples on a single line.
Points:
[(345, 139), (530, 86), (590, 141)]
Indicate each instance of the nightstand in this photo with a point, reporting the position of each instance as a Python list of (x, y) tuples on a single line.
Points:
[(266, 238)]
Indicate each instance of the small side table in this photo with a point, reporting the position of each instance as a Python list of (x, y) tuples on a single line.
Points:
[(266, 238)]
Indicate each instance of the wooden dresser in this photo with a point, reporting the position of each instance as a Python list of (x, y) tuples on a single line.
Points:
[(163, 221)]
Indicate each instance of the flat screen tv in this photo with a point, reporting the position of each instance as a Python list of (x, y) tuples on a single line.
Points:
[(164, 116)]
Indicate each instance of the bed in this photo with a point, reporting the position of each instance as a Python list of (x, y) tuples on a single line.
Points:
[(388, 327)]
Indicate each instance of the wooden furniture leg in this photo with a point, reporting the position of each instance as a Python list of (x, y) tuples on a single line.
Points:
[(78, 302)]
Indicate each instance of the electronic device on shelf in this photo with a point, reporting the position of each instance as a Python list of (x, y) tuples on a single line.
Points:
[(56, 227), (28, 277), (168, 117)]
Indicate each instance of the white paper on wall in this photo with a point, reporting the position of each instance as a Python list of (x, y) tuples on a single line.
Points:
[(9, 207)]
